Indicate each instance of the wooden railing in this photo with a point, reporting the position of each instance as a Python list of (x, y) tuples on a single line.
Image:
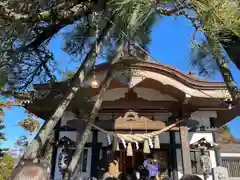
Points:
[(233, 166)]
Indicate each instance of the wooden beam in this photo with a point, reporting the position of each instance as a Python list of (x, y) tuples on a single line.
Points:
[(133, 105), (110, 126), (186, 159), (132, 120), (173, 156)]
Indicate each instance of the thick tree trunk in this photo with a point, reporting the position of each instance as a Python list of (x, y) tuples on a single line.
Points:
[(223, 66), (97, 105), (80, 145), (84, 137), (228, 79), (224, 70), (80, 75), (48, 149)]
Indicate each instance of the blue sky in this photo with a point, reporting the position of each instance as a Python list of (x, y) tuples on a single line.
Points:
[(170, 45)]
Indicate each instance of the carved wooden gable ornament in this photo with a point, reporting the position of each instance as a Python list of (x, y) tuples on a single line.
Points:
[(131, 121)]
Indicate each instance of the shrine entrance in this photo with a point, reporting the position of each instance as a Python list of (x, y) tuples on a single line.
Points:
[(129, 162), (132, 125), (133, 162)]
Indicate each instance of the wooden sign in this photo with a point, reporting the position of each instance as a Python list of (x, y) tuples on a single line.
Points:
[(131, 121)]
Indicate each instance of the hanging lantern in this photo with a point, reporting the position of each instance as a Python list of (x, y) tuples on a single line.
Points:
[(146, 148), (156, 142), (115, 144), (94, 83), (129, 150), (63, 161)]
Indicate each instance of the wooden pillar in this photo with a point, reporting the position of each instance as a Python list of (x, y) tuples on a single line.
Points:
[(216, 139), (95, 154), (173, 156), (55, 148), (186, 159)]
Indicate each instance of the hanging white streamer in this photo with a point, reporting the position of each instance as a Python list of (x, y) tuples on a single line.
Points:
[(150, 142), (137, 145), (109, 139), (124, 143)]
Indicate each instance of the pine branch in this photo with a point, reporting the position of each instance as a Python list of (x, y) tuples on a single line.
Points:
[(2, 136), (167, 12), (65, 17), (84, 69), (56, 13)]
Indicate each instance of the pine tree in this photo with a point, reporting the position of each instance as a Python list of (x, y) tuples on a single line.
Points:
[(2, 135), (27, 26), (6, 166)]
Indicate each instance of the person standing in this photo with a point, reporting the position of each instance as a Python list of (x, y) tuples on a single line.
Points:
[(152, 165), (113, 170)]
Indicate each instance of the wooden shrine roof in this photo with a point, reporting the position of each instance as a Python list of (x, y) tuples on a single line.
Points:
[(49, 95)]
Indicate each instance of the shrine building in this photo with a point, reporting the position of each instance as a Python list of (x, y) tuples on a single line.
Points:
[(150, 98)]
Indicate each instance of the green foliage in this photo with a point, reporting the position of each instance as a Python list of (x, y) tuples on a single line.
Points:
[(202, 59), (81, 38), (1, 81), (2, 135), (70, 74), (6, 166), (218, 17), (28, 26), (126, 9), (220, 20), (226, 128)]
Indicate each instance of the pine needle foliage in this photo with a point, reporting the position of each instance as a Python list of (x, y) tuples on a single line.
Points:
[(127, 8), (2, 113), (203, 60), (6, 166), (27, 26), (220, 20), (218, 17)]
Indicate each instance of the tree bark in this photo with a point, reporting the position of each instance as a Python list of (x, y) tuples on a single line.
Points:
[(228, 79), (216, 50), (77, 11), (46, 151), (225, 71), (80, 145), (86, 66), (84, 137)]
